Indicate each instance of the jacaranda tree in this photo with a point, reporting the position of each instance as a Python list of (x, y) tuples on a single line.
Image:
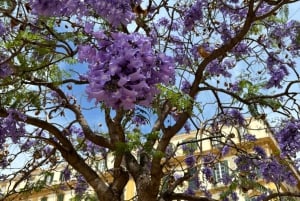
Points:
[(84, 79)]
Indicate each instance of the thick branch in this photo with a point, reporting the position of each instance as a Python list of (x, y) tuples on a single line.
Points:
[(276, 195), (182, 196)]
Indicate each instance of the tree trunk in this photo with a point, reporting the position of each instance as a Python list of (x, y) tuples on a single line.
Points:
[(145, 190)]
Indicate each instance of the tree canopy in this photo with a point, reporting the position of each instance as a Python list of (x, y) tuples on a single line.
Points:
[(84, 79)]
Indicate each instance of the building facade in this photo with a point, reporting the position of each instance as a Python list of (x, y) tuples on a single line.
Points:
[(55, 188)]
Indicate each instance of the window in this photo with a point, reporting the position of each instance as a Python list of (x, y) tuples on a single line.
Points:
[(60, 197), (44, 199), (62, 177), (220, 170), (49, 178), (193, 181), (101, 165), (217, 142)]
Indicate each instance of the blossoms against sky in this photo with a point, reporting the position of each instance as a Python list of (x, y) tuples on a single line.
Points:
[(11, 127), (214, 50), (124, 70), (116, 12)]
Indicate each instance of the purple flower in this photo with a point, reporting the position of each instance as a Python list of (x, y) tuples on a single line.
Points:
[(92, 147), (234, 196), (5, 69), (225, 150), (226, 179), (235, 87), (241, 49), (139, 120), (170, 150), (190, 160), (208, 173), (288, 138), (125, 71), (190, 191), (187, 127), (66, 173), (272, 171), (81, 186), (249, 137), (234, 116), (193, 15), (186, 87), (209, 159), (28, 144), (163, 21), (47, 150), (12, 126), (2, 29), (244, 163), (277, 75), (116, 12), (260, 151), (216, 68)]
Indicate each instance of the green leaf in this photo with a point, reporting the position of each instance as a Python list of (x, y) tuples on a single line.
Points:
[(181, 101)]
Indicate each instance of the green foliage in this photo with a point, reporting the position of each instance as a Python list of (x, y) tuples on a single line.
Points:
[(249, 89), (150, 137), (191, 146), (134, 141), (272, 103), (158, 154), (181, 101)]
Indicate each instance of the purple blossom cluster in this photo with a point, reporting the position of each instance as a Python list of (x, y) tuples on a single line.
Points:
[(190, 160), (5, 69), (194, 14), (116, 12), (249, 137), (138, 120), (12, 126), (208, 173), (269, 168), (185, 87), (288, 138), (66, 173), (273, 171), (2, 29), (87, 146), (209, 159), (225, 150), (286, 37), (125, 70), (28, 144), (241, 49), (81, 186), (234, 116), (278, 72), (217, 68), (189, 148), (56, 7), (260, 151)]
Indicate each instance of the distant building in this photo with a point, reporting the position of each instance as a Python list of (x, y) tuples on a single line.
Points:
[(56, 189)]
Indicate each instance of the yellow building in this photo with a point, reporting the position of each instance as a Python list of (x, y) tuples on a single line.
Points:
[(58, 190), (207, 144)]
